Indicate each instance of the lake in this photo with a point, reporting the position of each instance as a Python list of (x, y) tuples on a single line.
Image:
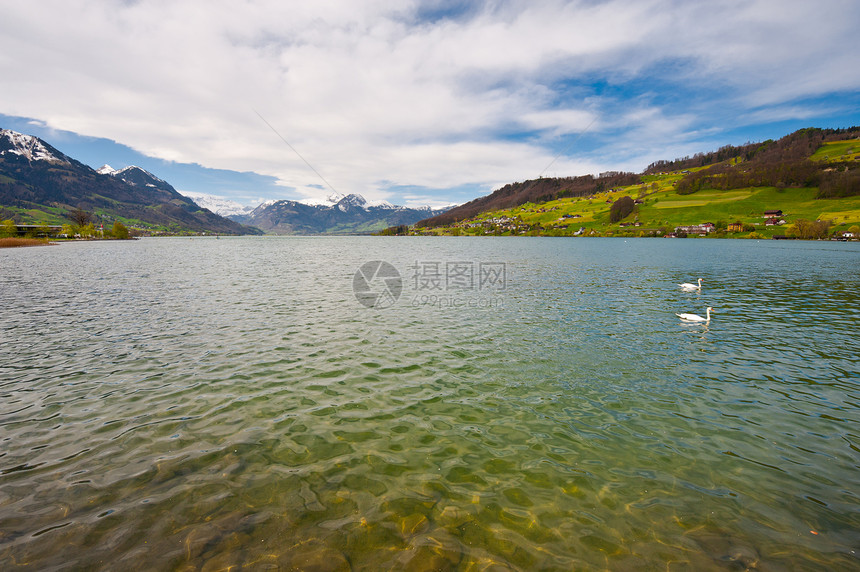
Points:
[(409, 403)]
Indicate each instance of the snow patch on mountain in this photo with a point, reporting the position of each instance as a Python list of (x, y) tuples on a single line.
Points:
[(381, 205), (329, 201), (126, 172), (30, 148), (269, 203), (345, 202)]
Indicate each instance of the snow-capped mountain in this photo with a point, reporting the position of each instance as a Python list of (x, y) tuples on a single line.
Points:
[(349, 214), (29, 147), (218, 205), (330, 200), (383, 205), (132, 192), (134, 175), (353, 200), (37, 178)]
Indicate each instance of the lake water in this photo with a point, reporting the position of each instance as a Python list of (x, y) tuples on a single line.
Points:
[(516, 404)]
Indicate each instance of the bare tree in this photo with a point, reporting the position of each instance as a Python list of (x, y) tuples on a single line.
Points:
[(79, 217)]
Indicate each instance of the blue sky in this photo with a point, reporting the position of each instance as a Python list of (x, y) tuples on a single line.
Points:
[(417, 102)]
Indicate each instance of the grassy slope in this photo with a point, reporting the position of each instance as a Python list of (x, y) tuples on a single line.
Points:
[(663, 207), (838, 151)]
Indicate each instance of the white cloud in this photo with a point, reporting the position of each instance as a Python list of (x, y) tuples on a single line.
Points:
[(372, 97)]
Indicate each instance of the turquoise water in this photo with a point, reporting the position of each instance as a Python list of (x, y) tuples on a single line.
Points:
[(181, 404)]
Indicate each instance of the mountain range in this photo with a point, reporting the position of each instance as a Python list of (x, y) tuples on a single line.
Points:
[(40, 184), (340, 214)]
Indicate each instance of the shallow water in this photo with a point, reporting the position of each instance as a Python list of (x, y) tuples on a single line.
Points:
[(200, 404)]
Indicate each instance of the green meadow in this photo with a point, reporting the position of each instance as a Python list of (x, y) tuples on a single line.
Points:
[(838, 151)]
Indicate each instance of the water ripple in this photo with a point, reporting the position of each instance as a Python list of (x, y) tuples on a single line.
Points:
[(186, 403)]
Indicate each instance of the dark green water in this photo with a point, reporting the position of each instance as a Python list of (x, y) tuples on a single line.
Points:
[(184, 404)]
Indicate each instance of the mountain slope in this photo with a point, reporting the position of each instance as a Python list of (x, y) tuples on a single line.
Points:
[(38, 183)]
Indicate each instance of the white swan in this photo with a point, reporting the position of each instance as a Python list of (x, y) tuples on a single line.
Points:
[(690, 287), (696, 317)]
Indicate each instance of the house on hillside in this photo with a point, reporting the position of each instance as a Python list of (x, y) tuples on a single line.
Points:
[(704, 228), (772, 214), (736, 227), (774, 221)]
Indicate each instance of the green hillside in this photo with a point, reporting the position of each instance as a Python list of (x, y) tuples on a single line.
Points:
[(838, 151), (713, 193), (663, 209)]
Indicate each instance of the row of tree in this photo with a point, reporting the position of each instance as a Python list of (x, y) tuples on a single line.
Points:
[(80, 225), (832, 182), (809, 229), (399, 230), (781, 175), (781, 164), (793, 147)]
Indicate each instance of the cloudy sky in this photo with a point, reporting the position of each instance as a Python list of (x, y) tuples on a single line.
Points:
[(417, 102)]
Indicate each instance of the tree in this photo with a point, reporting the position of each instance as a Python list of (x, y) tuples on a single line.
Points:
[(8, 228), (119, 231), (79, 217), (87, 231), (841, 183), (398, 230), (621, 208), (810, 230)]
